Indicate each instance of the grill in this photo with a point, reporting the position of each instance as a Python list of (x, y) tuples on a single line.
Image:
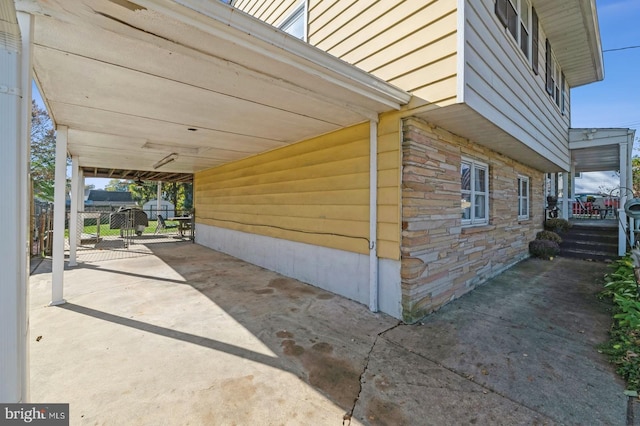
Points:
[(129, 218)]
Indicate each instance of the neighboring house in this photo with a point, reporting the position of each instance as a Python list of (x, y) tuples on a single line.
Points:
[(461, 169), (114, 199)]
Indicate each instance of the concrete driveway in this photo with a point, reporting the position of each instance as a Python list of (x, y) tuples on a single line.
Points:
[(179, 334)]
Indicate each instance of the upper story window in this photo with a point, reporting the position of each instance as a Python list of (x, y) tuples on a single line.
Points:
[(474, 178), (516, 16), (555, 81), (521, 21), (295, 24)]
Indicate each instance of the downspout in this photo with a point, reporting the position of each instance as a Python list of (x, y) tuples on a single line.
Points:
[(373, 215), (13, 306)]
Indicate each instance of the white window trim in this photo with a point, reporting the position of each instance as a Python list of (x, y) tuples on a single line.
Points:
[(524, 180), (472, 192), (300, 10), (529, 24)]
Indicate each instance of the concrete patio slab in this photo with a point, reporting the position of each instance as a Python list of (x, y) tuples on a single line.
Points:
[(180, 334)]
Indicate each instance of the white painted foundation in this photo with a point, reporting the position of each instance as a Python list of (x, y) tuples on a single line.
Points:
[(341, 272)]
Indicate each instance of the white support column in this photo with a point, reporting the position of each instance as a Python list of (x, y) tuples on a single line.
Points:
[(373, 216), (57, 282), (13, 306), (73, 207), (81, 184), (565, 196), (624, 190), (26, 22), (158, 196)]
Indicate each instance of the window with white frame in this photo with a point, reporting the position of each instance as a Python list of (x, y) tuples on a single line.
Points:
[(295, 23), (523, 197), (515, 15), (474, 192), (555, 78)]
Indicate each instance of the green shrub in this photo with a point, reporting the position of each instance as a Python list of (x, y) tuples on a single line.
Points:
[(621, 281), (557, 225), (549, 235), (544, 249), (623, 347)]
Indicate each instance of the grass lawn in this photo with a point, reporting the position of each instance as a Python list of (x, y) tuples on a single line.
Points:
[(106, 231)]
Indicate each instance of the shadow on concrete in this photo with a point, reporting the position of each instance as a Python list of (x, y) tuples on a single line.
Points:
[(527, 338), (130, 274), (174, 334)]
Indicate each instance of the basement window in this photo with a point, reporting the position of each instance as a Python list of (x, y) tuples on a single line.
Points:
[(474, 178), (523, 197)]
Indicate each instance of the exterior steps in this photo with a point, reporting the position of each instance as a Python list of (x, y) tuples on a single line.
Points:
[(590, 241)]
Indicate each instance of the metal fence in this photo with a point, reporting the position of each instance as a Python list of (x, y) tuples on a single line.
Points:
[(121, 229)]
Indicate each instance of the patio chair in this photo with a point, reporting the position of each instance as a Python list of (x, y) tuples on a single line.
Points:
[(162, 225), (586, 208)]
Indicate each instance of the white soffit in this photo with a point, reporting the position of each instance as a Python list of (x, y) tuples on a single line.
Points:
[(198, 78), (573, 30)]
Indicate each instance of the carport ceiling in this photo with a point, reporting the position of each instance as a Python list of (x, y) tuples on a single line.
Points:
[(137, 81), (143, 175)]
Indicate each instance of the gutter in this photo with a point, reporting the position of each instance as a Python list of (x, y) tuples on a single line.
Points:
[(203, 14)]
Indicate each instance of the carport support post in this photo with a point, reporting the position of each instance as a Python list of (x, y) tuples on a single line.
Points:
[(373, 215), (13, 255), (26, 22), (59, 210), (73, 207), (158, 195)]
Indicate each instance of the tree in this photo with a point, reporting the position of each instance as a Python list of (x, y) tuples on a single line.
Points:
[(143, 193), (117, 185), (178, 193), (43, 153), (635, 173)]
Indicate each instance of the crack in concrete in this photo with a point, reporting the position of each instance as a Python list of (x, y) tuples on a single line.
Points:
[(348, 416), (470, 379)]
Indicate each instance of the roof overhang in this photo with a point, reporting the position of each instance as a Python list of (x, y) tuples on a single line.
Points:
[(573, 30), (597, 150), (136, 81)]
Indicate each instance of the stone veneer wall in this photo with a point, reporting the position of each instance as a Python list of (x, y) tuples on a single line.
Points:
[(441, 260)]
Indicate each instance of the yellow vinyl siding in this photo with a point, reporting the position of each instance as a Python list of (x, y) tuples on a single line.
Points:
[(410, 44), (389, 158), (315, 192), (272, 12)]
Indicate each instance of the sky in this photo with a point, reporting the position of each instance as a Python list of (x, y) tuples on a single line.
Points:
[(615, 101)]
